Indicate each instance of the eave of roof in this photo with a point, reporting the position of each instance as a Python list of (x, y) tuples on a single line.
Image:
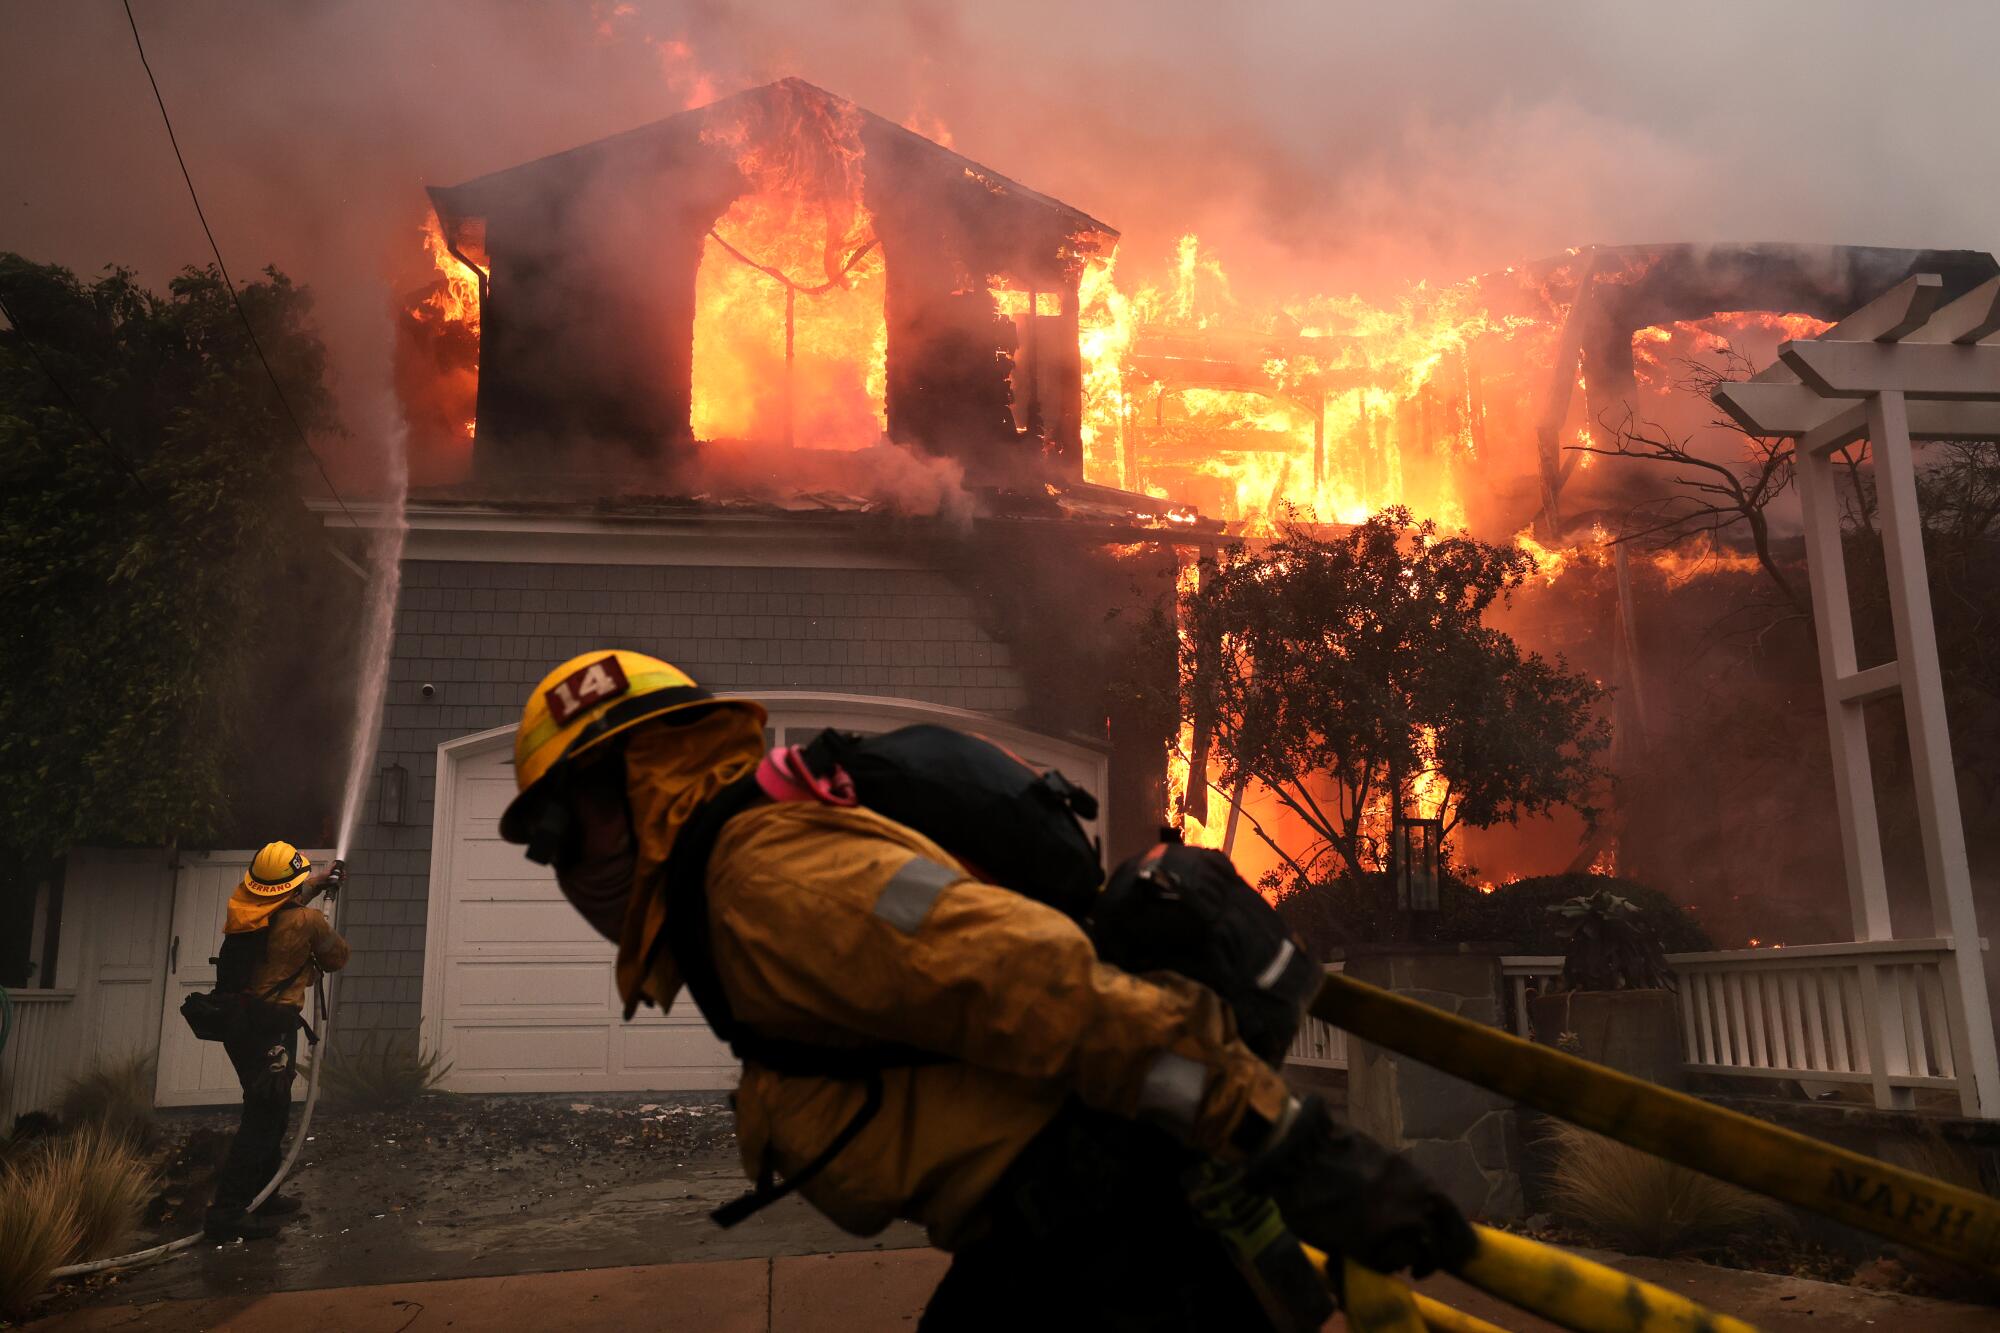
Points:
[(665, 516), (455, 198)]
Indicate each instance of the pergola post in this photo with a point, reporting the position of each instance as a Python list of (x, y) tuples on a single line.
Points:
[(1853, 774), (1946, 869), (1897, 361)]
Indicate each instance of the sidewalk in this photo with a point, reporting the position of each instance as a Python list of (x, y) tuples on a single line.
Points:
[(868, 1291)]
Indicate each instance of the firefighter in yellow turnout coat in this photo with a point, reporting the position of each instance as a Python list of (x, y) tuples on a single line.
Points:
[(837, 928), (292, 945)]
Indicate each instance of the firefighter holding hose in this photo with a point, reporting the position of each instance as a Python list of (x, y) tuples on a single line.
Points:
[(274, 948), (831, 934)]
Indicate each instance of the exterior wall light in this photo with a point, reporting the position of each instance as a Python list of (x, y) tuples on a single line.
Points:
[(395, 793)]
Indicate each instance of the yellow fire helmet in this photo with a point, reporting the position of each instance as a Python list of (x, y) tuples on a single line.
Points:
[(585, 702), (278, 868)]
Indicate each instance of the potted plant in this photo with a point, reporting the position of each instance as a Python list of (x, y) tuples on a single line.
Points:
[(1615, 1002)]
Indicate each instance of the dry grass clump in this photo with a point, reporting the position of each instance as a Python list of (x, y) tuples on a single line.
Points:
[(1637, 1203), (38, 1232), (65, 1199), (1939, 1158), (1933, 1155), (116, 1096), (380, 1078), (108, 1182)]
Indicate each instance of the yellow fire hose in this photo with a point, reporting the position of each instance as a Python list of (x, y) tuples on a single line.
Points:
[(1902, 1206), (1541, 1279), (1441, 1318)]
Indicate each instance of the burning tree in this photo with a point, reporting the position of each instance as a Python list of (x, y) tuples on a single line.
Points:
[(1714, 494), (1353, 675)]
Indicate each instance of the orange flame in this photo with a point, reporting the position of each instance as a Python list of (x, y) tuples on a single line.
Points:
[(455, 300), (1328, 409), (1658, 349), (1180, 766), (799, 236), (1550, 562), (1701, 558)]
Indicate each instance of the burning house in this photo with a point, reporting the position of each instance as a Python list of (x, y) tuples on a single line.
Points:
[(1465, 402), (780, 392), (781, 269)]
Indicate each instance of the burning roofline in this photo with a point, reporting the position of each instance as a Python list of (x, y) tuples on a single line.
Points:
[(475, 197)]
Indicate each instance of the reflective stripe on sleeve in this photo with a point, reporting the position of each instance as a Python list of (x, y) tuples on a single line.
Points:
[(1172, 1091), (911, 892), (1269, 976)]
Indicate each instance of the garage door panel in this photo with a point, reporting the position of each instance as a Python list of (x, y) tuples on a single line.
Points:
[(552, 987), (487, 858), (656, 1049), (684, 1012), (484, 793), (530, 927), (534, 1048)]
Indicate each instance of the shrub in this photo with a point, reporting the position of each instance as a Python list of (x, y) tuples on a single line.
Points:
[(1607, 945), (116, 1096), (373, 1077), (1637, 1203), (101, 1173), (39, 1230), (1332, 915), (1519, 912)]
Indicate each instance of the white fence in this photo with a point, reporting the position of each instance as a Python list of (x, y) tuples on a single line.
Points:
[(1319, 1045), (40, 1054), (1879, 1012)]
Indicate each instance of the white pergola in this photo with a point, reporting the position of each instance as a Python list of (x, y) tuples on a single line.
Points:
[(1899, 367)]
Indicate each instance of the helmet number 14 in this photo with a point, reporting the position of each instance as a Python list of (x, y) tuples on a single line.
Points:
[(586, 687)]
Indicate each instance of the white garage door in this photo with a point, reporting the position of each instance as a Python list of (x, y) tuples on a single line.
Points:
[(518, 990), (519, 994)]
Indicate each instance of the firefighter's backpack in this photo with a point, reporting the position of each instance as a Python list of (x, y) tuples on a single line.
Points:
[(231, 1013)]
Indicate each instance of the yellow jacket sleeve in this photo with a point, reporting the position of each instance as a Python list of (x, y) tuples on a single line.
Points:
[(329, 949), (823, 923)]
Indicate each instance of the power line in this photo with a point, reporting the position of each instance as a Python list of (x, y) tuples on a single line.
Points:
[(75, 407), (227, 281)]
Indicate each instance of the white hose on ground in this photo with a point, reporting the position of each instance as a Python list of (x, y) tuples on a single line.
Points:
[(166, 1248)]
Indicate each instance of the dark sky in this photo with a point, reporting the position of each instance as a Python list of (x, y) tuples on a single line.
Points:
[(1317, 146)]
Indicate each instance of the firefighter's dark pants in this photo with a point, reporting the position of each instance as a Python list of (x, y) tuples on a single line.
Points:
[(265, 1067), (1091, 1230)]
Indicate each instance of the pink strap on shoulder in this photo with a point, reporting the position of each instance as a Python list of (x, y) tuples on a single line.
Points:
[(783, 776)]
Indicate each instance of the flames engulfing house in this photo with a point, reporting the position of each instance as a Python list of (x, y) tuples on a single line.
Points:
[(1462, 401), (781, 266)]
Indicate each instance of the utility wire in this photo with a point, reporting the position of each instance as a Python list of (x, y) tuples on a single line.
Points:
[(227, 281), (75, 407)]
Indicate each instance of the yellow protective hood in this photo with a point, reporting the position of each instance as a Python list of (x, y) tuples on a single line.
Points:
[(251, 911), (669, 771)]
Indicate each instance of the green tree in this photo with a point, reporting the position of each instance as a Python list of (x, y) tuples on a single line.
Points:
[(136, 571), (1354, 676)]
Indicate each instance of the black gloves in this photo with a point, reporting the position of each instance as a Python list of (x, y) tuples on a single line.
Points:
[(1342, 1192), (1268, 1255)]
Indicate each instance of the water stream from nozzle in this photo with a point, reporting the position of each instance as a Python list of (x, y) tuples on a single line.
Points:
[(377, 637)]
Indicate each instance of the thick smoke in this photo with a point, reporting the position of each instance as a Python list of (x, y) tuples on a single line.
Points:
[(1314, 147)]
